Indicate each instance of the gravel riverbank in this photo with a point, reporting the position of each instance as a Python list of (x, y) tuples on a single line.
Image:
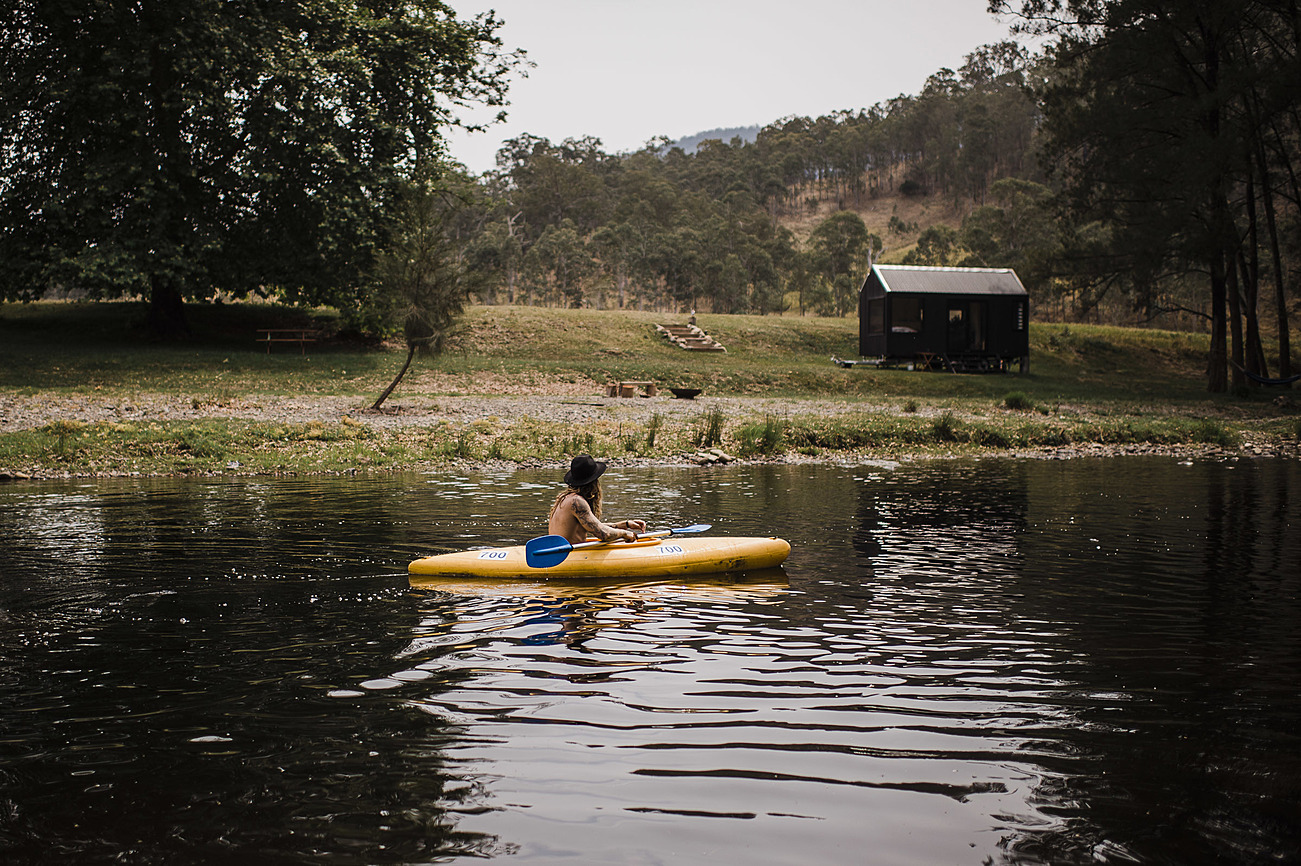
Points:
[(574, 406), (21, 412)]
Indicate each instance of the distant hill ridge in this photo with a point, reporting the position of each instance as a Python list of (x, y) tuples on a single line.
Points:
[(746, 133)]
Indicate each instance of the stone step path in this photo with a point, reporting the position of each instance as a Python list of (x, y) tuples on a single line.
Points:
[(690, 337)]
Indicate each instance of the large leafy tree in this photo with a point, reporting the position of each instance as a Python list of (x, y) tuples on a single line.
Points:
[(174, 149), (1168, 122), (844, 248), (558, 263), (1016, 229)]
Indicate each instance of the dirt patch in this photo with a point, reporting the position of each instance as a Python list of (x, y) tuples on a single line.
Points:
[(565, 404)]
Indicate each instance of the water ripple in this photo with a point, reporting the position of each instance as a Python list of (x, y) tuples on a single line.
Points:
[(962, 662)]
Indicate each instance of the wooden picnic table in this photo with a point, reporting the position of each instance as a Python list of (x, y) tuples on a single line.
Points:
[(628, 388), (301, 336)]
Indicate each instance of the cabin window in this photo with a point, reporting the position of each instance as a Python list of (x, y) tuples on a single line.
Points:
[(905, 315), (876, 316)]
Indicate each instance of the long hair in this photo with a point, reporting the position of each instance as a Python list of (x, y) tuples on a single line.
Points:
[(590, 492)]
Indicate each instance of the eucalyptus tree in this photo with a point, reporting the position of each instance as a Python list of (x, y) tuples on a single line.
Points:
[(844, 249), (558, 263), (1155, 118), (715, 169), (679, 261), (175, 149), (937, 246), (997, 116), (629, 245), (743, 252), (783, 149), (1017, 229), (933, 130), (549, 183)]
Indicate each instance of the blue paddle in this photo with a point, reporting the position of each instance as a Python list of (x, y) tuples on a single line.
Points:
[(548, 550)]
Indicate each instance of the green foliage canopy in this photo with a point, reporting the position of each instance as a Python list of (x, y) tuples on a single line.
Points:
[(842, 250), (178, 149), (1175, 125)]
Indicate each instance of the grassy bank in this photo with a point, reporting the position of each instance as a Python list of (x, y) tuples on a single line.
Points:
[(1089, 386), (71, 447), (84, 347)]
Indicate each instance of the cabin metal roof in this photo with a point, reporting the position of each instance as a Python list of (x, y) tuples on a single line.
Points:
[(949, 281)]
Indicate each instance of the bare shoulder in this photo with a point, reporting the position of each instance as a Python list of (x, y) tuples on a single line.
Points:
[(578, 505)]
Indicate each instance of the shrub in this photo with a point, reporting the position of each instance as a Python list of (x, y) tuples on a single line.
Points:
[(765, 438), (578, 443), (945, 428), (62, 431), (461, 445), (910, 407), (1213, 432), (991, 437), (1017, 401), (201, 445), (709, 429), (653, 428), (631, 441)]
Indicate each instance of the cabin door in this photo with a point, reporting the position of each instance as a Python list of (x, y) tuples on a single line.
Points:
[(967, 322)]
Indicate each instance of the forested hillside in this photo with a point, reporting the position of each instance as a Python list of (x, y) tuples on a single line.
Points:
[(788, 222), (1141, 170)]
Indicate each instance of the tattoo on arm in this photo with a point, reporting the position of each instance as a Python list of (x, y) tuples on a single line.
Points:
[(586, 519)]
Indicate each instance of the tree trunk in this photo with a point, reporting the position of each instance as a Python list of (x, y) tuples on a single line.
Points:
[(1250, 266), (1217, 365), (1234, 294), (1280, 297), (411, 352), (167, 312), (1253, 349)]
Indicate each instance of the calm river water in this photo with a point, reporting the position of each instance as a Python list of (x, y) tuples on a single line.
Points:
[(1091, 661)]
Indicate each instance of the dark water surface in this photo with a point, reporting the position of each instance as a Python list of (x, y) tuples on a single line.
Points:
[(1093, 661)]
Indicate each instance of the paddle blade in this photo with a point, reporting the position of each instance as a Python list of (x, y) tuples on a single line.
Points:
[(546, 551), (686, 530)]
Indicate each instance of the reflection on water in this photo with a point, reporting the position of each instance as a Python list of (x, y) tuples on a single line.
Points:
[(962, 662)]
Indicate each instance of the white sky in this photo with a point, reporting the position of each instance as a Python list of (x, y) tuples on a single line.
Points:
[(626, 71)]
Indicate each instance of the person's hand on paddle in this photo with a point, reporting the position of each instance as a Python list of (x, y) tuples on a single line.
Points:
[(631, 528)]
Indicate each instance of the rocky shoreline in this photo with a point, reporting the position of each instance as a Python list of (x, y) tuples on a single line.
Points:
[(559, 404)]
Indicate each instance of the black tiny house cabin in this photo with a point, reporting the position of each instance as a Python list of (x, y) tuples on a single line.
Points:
[(960, 319)]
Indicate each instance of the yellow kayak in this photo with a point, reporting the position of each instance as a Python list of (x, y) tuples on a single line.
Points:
[(645, 558), (761, 585)]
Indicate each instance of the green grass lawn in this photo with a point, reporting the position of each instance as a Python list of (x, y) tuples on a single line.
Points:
[(1087, 384), (104, 346)]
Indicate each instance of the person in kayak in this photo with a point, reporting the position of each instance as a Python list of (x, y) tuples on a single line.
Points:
[(576, 513)]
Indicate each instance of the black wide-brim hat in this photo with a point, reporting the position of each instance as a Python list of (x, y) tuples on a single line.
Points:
[(583, 470)]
